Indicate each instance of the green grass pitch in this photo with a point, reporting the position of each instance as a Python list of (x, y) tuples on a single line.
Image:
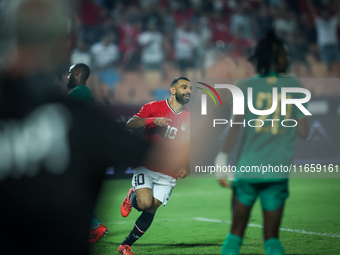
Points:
[(197, 219)]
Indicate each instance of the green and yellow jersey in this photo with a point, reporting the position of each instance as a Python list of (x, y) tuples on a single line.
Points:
[(80, 93), (270, 143)]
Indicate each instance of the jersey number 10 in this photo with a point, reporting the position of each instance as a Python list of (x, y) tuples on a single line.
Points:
[(171, 132)]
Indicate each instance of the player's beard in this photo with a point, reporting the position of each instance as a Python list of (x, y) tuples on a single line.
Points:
[(181, 99), (71, 84)]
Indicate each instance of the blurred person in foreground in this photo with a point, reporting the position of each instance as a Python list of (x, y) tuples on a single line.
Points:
[(162, 121), (263, 145), (78, 75), (53, 153)]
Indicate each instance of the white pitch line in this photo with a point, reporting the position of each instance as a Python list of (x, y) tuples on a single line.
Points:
[(282, 229), (159, 220)]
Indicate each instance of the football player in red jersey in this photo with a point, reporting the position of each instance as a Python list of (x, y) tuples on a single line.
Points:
[(165, 122)]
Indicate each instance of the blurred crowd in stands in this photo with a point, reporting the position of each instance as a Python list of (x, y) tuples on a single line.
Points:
[(135, 47)]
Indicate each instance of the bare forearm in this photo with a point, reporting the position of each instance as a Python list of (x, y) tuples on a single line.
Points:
[(135, 123)]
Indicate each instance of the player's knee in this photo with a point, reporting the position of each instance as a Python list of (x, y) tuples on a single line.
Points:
[(145, 205), (157, 203)]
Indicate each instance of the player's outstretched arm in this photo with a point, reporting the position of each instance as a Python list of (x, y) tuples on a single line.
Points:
[(222, 157), (136, 122), (162, 122)]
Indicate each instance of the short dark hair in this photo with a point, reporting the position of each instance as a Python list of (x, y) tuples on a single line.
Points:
[(266, 52), (84, 69), (174, 81)]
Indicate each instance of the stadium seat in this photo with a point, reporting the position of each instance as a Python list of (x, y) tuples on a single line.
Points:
[(122, 94), (152, 78), (142, 94), (194, 74), (161, 93)]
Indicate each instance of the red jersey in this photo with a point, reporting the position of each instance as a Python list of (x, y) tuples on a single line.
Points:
[(175, 134)]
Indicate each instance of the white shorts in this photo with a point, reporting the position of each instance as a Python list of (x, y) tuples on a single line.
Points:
[(160, 184)]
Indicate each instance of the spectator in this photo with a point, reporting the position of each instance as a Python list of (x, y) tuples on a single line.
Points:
[(152, 52), (81, 54), (326, 29), (134, 14), (220, 28), (168, 21), (241, 23), (218, 5), (286, 24), (204, 31), (152, 14), (186, 42), (298, 42), (128, 42), (91, 15), (111, 25), (183, 13), (117, 11), (105, 55), (274, 3), (147, 4), (264, 22)]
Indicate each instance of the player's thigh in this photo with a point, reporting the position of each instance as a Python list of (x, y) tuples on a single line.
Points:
[(163, 187), (142, 183), (245, 192), (144, 198), (274, 195)]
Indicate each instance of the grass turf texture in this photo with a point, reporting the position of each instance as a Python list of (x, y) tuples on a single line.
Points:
[(313, 206)]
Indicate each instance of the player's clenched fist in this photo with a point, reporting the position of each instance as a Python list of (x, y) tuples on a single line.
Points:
[(160, 121), (182, 173)]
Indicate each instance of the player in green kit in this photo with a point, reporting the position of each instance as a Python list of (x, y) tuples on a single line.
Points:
[(268, 144), (78, 75), (77, 78)]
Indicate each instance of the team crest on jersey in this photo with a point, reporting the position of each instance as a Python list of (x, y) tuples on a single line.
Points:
[(184, 126)]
